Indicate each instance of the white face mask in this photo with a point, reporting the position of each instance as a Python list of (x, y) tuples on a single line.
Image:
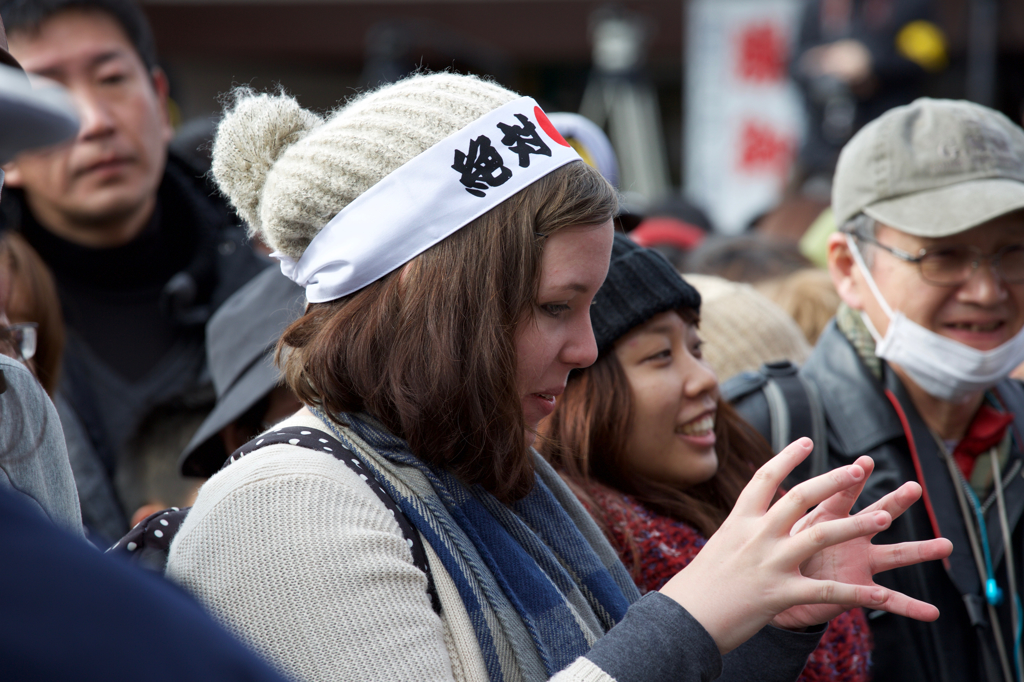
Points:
[(944, 368)]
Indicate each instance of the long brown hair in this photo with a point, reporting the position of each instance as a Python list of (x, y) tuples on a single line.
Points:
[(33, 298), (585, 439), (429, 350)]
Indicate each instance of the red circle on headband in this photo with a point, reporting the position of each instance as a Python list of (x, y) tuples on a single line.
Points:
[(548, 127)]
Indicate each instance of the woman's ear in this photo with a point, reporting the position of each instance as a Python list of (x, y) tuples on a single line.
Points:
[(846, 275)]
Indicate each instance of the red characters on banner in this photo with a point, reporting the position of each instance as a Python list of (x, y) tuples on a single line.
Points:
[(761, 53), (763, 149)]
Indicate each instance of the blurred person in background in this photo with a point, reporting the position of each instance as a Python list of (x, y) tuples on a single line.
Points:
[(590, 142), (142, 249), (33, 299), (777, 269), (747, 258), (742, 329), (251, 394), (649, 448), (671, 237), (68, 612), (33, 458), (808, 296), (148, 479), (854, 60)]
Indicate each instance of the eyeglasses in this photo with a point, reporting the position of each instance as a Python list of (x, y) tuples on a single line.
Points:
[(951, 266), (23, 336)]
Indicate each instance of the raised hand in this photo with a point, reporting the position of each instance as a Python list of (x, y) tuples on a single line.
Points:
[(752, 568), (857, 561)]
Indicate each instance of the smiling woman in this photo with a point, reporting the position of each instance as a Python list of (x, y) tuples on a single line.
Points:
[(651, 451)]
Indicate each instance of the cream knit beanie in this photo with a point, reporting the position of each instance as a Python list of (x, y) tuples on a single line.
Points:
[(288, 172)]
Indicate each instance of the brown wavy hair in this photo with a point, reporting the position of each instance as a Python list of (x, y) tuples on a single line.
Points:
[(429, 349), (585, 439), (33, 298)]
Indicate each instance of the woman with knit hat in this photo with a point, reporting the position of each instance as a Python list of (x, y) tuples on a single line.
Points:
[(646, 443), (450, 243)]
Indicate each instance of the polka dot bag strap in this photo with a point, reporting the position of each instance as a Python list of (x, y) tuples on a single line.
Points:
[(148, 543), (314, 439)]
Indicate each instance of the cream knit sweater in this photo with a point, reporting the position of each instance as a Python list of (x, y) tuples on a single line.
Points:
[(296, 555)]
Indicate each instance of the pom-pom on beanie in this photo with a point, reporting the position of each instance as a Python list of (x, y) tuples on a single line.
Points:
[(288, 172), (641, 283)]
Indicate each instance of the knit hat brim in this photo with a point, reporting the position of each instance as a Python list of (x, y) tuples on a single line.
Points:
[(641, 283)]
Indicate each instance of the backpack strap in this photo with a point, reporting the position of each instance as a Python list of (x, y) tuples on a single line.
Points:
[(783, 406), (149, 542)]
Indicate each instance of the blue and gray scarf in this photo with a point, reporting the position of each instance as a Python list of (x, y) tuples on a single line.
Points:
[(538, 579)]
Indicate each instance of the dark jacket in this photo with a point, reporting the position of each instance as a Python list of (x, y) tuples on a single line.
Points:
[(959, 646), (896, 79), (69, 612), (135, 318)]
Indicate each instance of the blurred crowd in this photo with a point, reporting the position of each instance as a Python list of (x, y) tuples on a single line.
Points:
[(170, 302)]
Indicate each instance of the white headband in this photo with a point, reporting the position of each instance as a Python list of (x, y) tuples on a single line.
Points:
[(429, 198)]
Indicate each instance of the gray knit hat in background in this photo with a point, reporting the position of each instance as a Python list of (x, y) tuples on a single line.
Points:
[(641, 283), (288, 171)]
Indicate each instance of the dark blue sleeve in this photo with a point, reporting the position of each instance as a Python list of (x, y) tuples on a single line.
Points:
[(69, 612)]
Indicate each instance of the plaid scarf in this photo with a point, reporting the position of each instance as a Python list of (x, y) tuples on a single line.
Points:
[(538, 579)]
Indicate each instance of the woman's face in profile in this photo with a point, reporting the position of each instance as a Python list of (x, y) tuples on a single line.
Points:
[(558, 337), (675, 394)]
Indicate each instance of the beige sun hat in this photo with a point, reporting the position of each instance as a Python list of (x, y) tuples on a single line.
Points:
[(932, 168), (742, 328)]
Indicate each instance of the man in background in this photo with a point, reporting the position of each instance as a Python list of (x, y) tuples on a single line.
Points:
[(855, 60), (914, 371), (142, 249)]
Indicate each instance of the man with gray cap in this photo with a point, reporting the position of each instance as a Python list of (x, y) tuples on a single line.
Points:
[(929, 262)]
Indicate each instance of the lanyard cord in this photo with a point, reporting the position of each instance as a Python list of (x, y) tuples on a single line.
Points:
[(917, 466), (1003, 518), (982, 556), (955, 473), (1004, 524)]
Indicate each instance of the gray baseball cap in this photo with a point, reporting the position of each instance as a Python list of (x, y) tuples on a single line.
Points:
[(240, 341), (932, 168)]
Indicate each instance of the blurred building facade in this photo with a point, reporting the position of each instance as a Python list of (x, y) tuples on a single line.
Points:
[(544, 48)]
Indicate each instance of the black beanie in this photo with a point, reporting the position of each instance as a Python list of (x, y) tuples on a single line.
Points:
[(641, 283)]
